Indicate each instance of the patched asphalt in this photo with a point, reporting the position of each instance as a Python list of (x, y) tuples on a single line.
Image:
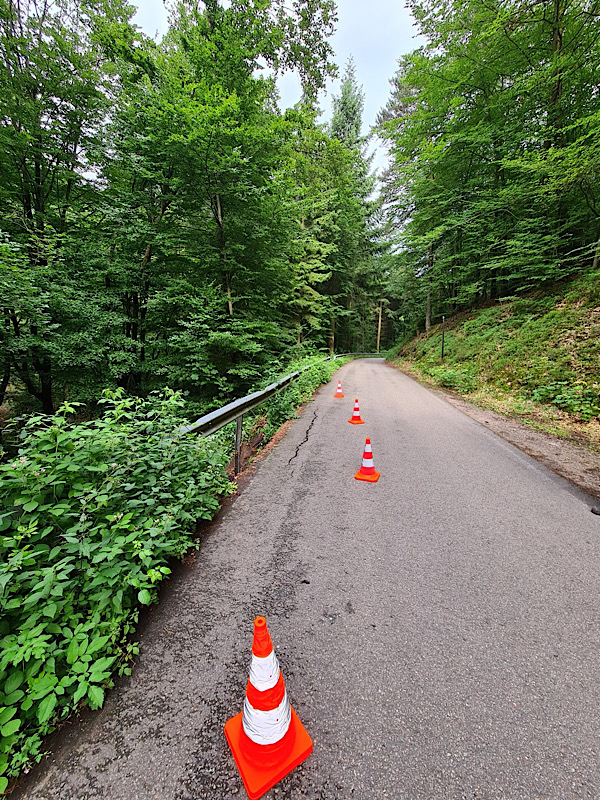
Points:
[(438, 631)]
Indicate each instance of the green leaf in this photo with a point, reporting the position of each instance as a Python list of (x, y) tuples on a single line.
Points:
[(144, 597), (31, 506), (72, 651), (50, 610), (14, 680), (46, 708), (96, 696), (99, 677), (80, 691), (10, 727), (6, 714), (3, 784), (43, 685), (103, 664), (14, 697), (97, 644)]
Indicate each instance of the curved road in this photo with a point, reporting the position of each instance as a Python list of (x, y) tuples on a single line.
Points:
[(438, 631)]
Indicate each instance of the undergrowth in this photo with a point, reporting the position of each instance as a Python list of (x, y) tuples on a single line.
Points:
[(542, 348), (90, 515)]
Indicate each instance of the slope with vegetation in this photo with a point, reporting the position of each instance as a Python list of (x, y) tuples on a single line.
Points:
[(536, 357)]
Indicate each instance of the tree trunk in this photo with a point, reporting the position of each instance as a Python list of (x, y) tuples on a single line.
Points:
[(218, 214), (596, 261), (428, 307), (4, 381), (46, 388), (331, 336)]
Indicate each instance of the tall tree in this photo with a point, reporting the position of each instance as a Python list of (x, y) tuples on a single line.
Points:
[(480, 122), (56, 77)]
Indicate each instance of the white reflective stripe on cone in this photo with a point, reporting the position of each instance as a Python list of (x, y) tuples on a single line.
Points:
[(368, 462), (264, 671), (368, 448), (267, 727)]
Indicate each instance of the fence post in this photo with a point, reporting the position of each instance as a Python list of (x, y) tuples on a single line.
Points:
[(443, 335), (238, 445)]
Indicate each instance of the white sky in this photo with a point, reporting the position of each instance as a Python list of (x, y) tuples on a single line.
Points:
[(375, 33)]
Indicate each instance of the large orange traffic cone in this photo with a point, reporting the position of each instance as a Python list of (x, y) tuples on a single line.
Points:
[(356, 420), (267, 739), (339, 390), (367, 470)]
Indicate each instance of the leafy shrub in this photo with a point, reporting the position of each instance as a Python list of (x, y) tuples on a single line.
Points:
[(90, 514), (458, 379), (575, 398)]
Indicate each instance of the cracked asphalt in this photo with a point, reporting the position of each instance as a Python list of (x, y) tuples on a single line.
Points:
[(438, 631)]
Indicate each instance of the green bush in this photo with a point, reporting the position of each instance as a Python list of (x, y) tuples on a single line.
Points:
[(576, 398), (90, 515), (458, 379)]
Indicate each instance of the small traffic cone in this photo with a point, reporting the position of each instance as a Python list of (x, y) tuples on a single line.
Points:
[(356, 420), (267, 739), (339, 390), (367, 470)]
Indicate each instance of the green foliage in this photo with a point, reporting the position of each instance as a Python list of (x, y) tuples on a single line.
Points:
[(579, 399), (542, 347), (493, 134), (164, 223), (91, 514), (459, 379)]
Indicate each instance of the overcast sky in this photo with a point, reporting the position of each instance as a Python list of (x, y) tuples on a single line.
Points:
[(376, 34)]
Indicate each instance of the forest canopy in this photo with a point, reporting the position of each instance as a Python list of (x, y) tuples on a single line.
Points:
[(493, 127), (163, 222)]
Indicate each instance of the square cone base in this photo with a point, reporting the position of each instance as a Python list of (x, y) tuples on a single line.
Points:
[(356, 421), (370, 478), (339, 395), (260, 776)]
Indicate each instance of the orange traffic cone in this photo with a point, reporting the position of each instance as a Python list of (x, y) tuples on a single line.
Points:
[(267, 739), (356, 420), (339, 390), (367, 470)]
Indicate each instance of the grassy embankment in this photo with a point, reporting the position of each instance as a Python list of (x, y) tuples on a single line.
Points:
[(536, 358)]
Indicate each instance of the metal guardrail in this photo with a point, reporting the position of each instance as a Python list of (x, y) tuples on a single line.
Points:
[(215, 420)]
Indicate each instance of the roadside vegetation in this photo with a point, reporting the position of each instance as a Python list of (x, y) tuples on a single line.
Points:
[(536, 357), (92, 516)]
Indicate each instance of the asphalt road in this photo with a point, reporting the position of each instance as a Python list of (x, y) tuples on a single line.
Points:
[(438, 631)]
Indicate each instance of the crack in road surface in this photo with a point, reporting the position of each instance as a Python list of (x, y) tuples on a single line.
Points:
[(303, 440)]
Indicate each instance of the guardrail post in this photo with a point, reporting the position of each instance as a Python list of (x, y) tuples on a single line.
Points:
[(238, 445)]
